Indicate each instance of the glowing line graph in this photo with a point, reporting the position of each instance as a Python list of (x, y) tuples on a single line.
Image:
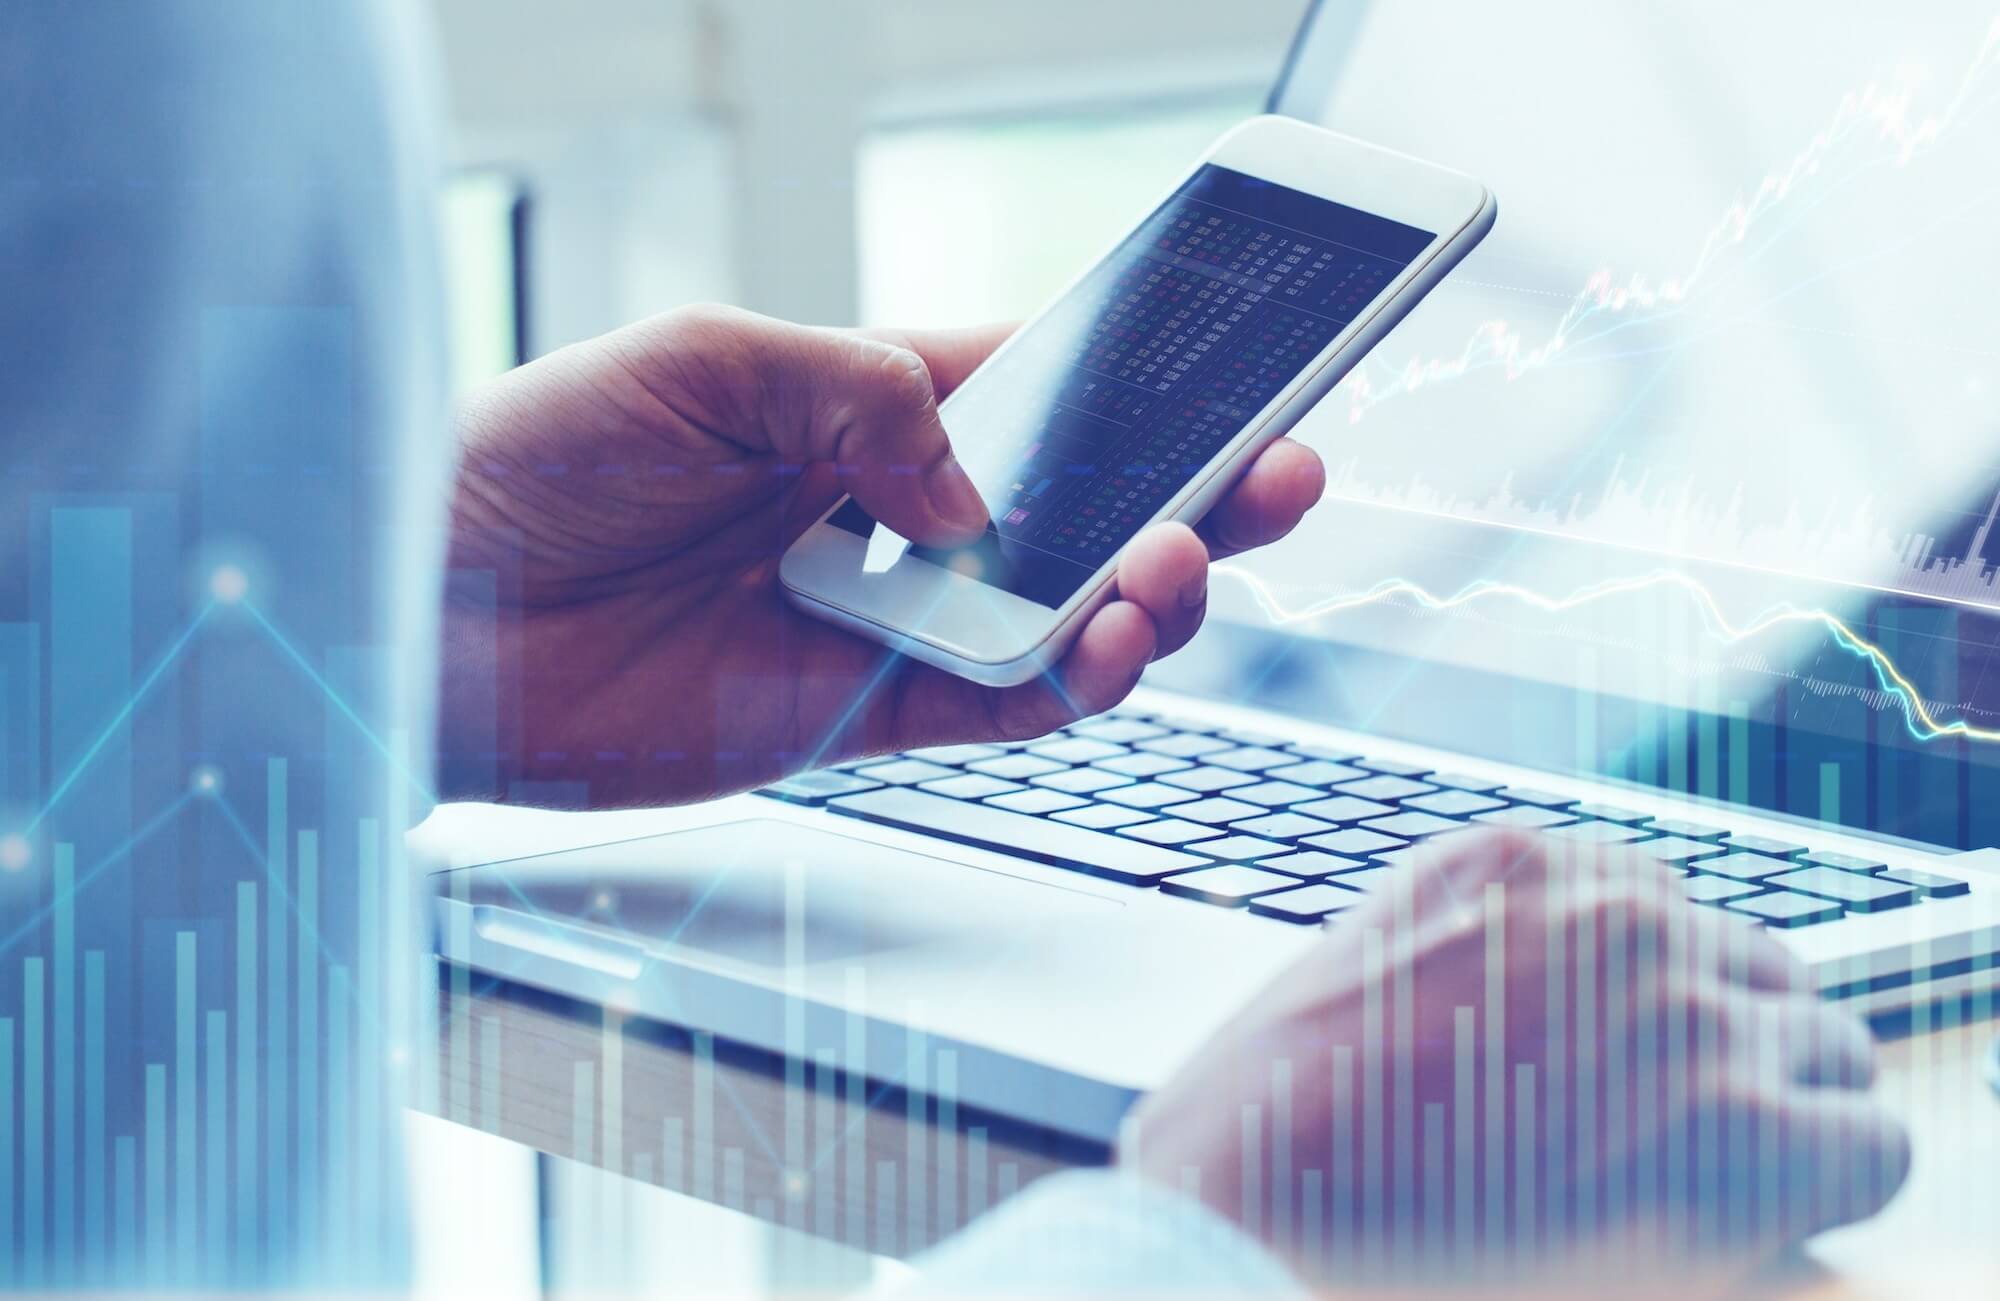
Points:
[(1918, 717), (1891, 114)]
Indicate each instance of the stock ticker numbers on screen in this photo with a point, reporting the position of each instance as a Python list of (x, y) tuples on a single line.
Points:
[(1214, 307), (1105, 409)]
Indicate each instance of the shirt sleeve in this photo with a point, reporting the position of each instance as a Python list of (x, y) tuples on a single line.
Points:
[(1099, 1233)]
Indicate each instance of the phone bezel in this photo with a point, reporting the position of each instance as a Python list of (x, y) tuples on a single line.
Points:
[(991, 635)]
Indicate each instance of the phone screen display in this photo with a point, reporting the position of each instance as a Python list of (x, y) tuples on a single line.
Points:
[(1081, 431)]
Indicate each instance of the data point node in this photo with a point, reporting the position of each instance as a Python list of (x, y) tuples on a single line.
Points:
[(206, 780), (228, 583), (15, 853)]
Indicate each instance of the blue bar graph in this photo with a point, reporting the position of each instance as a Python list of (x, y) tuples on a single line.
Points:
[(277, 996), (126, 1210), (249, 1190), (340, 1128), (215, 1156), (185, 1154), (156, 1173), (89, 603), (95, 1242), (20, 719), (308, 1093), (34, 1139), (62, 1160), (9, 1253)]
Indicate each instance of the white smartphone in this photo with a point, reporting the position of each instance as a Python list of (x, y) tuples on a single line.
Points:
[(1269, 270)]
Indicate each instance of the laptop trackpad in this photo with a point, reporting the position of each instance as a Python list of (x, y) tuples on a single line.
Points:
[(749, 891)]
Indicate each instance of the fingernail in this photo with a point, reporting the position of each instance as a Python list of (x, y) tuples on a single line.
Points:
[(1195, 590), (953, 495)]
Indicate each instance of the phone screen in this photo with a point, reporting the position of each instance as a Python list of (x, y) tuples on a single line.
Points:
[(1114, 400)]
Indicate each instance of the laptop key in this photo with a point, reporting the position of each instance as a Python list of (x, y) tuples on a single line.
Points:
[(1229, 887), (1016, 767), (1168, 831), (1042, 839), (1146, 795), (1118, 731), (1410, 826), (817, 787), (1862, 894), (1076, 749), (1207, 780), (1845, 862), (954, 755), (1530, 816), (1384, 788), (1316, 772), (1184, 746), (1344, 808), (1275, 794), (906, 772), (1534, 795), (1784, 910), (1464, 781), (970, 786), (1282, 826), (1355, 843), (1142, 765), (1688, 830), (1763, 845), (1311, 864), (1331, 754), (1104, 817), (1217, 810), (1306, 904), (1392, 767), (1253, 758), (1679, 849), (1743, 867), (1715, 889), (1610, 813), (1928, 884), (1080, 781), (1244, 736), (1600, 833), (1452, 804), (1037, 802), (1240, 849)]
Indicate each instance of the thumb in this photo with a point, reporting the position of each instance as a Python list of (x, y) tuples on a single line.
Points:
[(869, 407)]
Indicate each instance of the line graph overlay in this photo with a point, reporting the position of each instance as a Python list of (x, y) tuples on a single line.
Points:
[(1918, 717), (1636, 515), (1885, 115)]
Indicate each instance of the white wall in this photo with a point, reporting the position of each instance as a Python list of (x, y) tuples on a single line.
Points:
[(679, 150)]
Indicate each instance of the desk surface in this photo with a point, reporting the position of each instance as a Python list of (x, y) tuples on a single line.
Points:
[(800, 1146)]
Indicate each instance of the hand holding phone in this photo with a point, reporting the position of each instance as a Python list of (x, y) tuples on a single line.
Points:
[(1142, 392)]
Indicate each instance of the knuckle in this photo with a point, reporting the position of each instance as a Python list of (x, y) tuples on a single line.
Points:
[(1711, 1018), (703, 320), (901, 377)]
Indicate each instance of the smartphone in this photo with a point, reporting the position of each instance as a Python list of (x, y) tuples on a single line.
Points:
[(1242, 298)]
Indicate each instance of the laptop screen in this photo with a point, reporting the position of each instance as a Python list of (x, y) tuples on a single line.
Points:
[(1710, 425)]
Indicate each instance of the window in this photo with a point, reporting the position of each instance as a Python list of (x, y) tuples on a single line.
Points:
[(987, 218)]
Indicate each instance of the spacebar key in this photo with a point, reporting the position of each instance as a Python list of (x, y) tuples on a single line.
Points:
[(1131, 861)]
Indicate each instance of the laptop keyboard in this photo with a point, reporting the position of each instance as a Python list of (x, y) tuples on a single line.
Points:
[(1296, 831)]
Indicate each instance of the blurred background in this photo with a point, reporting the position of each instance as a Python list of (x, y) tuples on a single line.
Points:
[(832, 161)]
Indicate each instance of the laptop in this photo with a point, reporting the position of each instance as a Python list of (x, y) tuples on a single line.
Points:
[(1667, 524)]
